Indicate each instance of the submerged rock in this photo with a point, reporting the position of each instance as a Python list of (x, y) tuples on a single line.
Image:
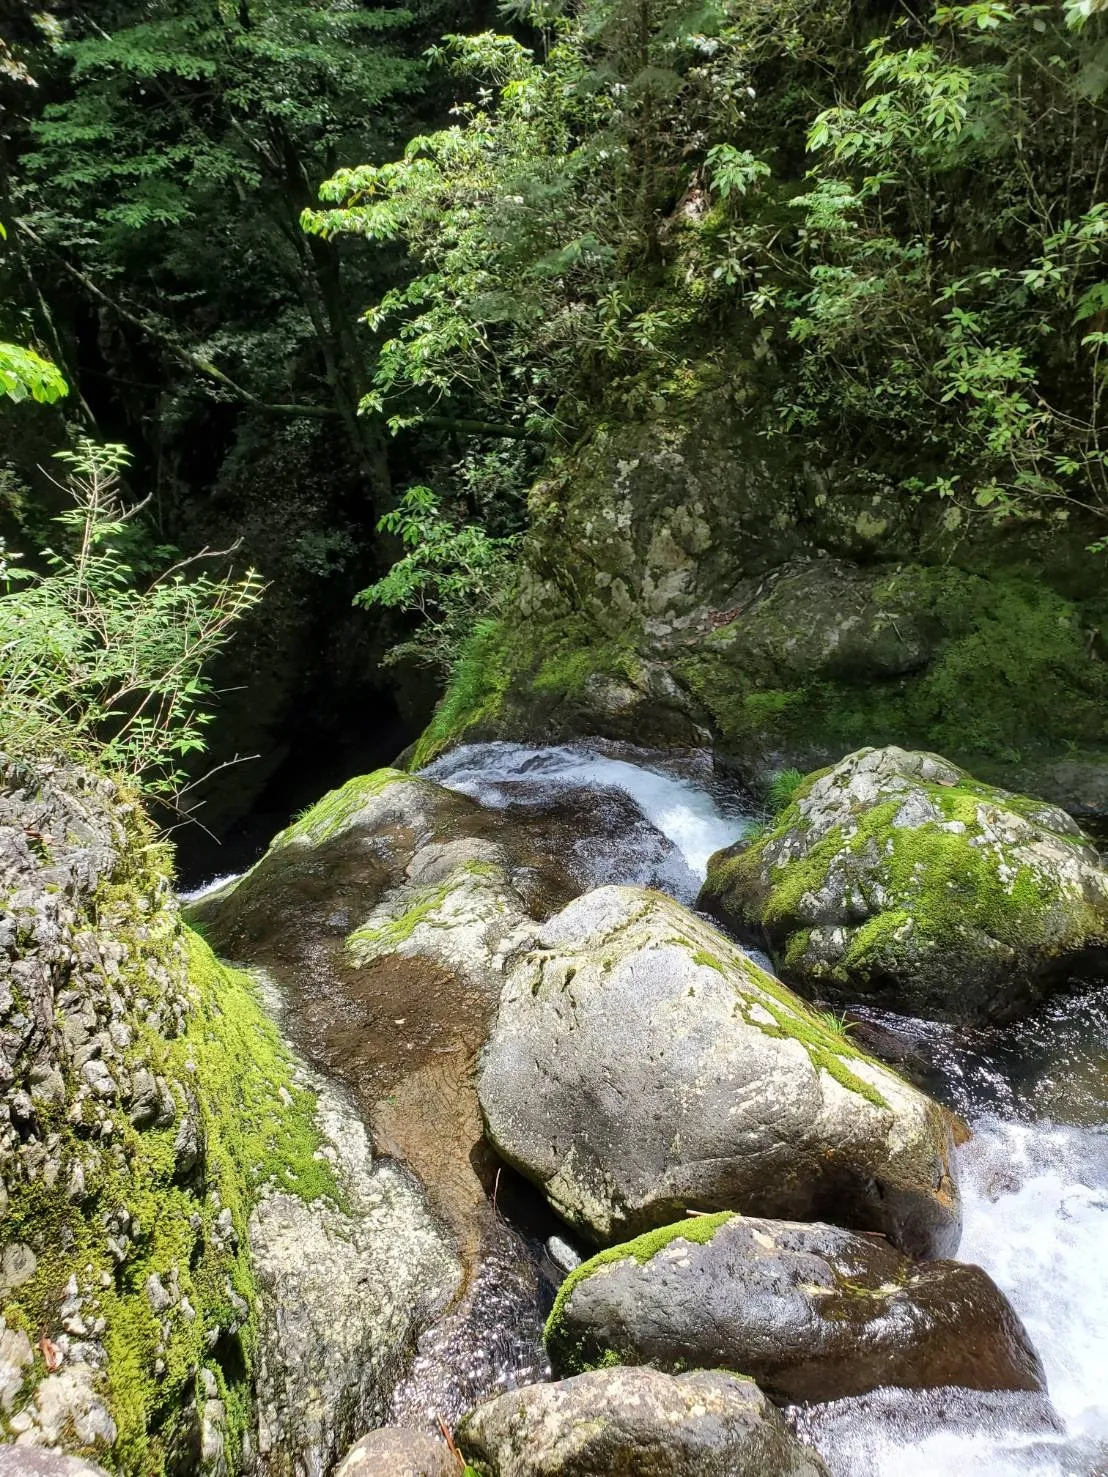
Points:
[(811, 1312), (641, 1066), (615, 1422), (897, 878)]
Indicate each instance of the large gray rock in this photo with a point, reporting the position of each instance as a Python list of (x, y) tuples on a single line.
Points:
[(894, 876), (344, 1294), (31, 1461), (394, 1452), (617, 1422), (811, 1312), (642, 1065)]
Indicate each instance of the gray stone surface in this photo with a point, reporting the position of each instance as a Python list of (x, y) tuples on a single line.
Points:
[(617, 1422), (642, 1065), (30, 1461), (810, 1312), (344, 1295), (895, 876), (395, 1452)]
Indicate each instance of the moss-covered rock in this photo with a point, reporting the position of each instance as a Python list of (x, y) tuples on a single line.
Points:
[(689, 578), (641, 1065), (822, 656), (148, 1104), (811, 1312), (896, 877)]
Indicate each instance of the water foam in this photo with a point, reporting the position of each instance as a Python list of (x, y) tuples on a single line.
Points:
[(685, 812)]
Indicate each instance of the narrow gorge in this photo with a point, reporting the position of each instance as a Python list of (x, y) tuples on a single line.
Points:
[(553, 738)]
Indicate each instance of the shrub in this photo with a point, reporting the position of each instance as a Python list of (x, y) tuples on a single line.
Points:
[(98, 659)]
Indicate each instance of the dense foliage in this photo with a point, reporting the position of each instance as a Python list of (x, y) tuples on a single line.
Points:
[(915, 231), (97, 658), (890, 223)]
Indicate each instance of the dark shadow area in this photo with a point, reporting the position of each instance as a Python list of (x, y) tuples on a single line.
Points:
[(331, 740)]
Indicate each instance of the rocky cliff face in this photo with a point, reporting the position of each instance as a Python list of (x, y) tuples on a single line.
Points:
[(203, 1268), (689, 579)]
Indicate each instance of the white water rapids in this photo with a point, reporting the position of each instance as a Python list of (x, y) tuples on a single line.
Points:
[(1034, 1176)]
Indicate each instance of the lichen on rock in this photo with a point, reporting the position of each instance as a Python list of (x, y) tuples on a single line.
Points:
[(641, 1065), (148, 1104), (897, 877)]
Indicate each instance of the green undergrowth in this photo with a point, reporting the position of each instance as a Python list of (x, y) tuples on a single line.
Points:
[(511, 672), (566, 1351), (255, 1126), (823, 1036), (1010, 672)]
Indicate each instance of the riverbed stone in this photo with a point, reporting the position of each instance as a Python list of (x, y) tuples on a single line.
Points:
[(37, 1461), (811, 1312), (613, 1422), (345, 1291), (395, 1452), (896, 878), (642, 1066)]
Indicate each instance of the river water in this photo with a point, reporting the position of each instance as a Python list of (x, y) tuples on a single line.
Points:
[(1034, 1176)]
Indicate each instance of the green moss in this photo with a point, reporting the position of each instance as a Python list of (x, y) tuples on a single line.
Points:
[(939, 883), (474, 695), (562, 1346), (824, 1037), (229, 1068), (1011, 673), (367, 942), (331, 815), (547, 662)]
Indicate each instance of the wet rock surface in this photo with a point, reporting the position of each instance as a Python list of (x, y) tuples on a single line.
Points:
[(642, 1066), (620, 1421), (345, 1291), (897, 879), (810, 1312), (394, 1452)]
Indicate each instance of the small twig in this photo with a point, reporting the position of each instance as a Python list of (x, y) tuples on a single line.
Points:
[(450, 1446)]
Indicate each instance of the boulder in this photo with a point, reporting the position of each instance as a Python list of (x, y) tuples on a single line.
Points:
[(395, 1452), (811, 1312), (345, 1290), (641, 1066), (896, 878), (36, 1461), (613, 1422)]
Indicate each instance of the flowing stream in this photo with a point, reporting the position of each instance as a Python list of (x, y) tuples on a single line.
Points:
[(1034, 1175)]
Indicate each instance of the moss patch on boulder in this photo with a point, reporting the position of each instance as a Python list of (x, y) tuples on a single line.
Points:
[(997, 672), (173, 1107), (897, 876), (697, 1229)]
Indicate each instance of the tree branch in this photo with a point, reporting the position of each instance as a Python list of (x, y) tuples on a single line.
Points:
[(475, 428), (186, 356)]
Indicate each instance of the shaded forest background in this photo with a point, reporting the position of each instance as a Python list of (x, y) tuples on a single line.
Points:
[(888, 222)]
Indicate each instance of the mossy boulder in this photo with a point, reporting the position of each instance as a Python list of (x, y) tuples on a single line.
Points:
[(148, 1104), (821, 655), (811, 1312), (641, 1065), (896, 878), (614, 1422)]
